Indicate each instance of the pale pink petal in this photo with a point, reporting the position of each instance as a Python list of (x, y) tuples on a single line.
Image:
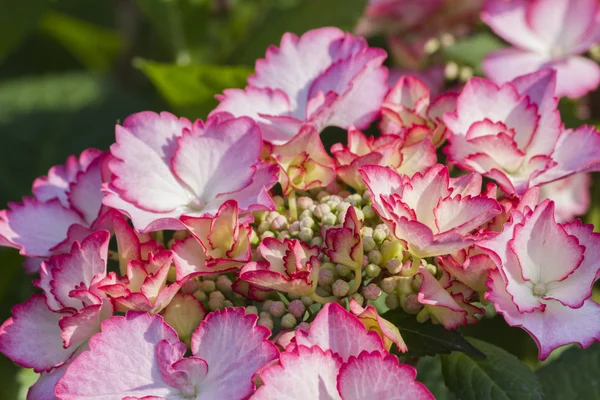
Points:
[(371, 375), (43, 388), (78, 328), (571, 196), (35, 228), (234, 348), (418, 158), (31, 338), (261, 274), (382, 181), (84, 193), (121, 361), (576, 76), (463, 215), (305, 373), (425, 191), (337, 330), (508, 20), (439, 302)]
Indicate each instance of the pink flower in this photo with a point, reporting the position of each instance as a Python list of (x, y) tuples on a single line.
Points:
[(140, 356), (48, 331), (545, 34), (571, 196), (371, 319), (386, 150), (291, 266), (431, 214), (470, 266), (165, 168), (217, 244), (408, 111), (338, 359), (344, 245), (545, 276), (512, 134), (66, 204), (324, 78)]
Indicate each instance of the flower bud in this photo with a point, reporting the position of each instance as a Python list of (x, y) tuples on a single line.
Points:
[(379, 235), (279, 201), (342, 270), (271, 216), (303, 325), (260, 216), (431, 268), (412, 305), (368, 212), (329, 219), (416, 282), (190, 286), (340, 288), (264, 314), (254, 239), (296, 308), (251, 310), (208, 286), (223, 284), (227, 304), (316, 241), (375, 257), (390, 284), (267, 322), (294, 228), (371, 291), (355, 199), (366, 232), (200, 295), (358, 297), (394, 266), (216, 301), (366, 196), (264, 226), (391, 250), (283, 235), (279, 223), (322, 194), (184, 313), (306, 300), (277, 309), (368, 244), (323, 291), (288, 321), (172, 275), (307, 222), (359, 214), (305, 214), (267, 234), (267, 305), (392, 301), (304, 202), (321, 210), (326, 277), (372, 270), (306, 234)]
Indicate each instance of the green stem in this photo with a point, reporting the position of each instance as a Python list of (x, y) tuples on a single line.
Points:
[(292, 206), (357, 281), (322, 300), (416, 263)]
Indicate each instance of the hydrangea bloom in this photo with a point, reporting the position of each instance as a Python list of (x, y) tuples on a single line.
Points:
[(571, 196), (165, 167), (227, 349), (512, 134), (431, 214), (545, 276), (324, 78), (545, 33), (66, 204)]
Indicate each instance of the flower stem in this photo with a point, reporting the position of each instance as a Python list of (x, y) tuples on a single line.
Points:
[(322, 300), (292, 206), (416, 263), (357, 281)]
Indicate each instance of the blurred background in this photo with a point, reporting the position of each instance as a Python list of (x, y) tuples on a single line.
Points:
[(71, 69)]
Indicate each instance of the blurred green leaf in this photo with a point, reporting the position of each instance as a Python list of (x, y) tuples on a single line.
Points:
[(429, 372), (17, 19), (499, 377), (299, 18), (26, 378), (191, 89), (94, 46), (427, 339), (576, 375), (472, 50)]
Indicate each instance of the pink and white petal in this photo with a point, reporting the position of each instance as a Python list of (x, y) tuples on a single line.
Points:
[(546, 252), (576, 76), (85, 195), (408, 92), (463, 215), (35, 227), (337, 330), (571, 196), (381, 181), (424, 191), (78, 328), (305, 373), (466, 185), (43, 388), (31, 338), (85, 262), (418, 158), (439, 302), (234, 348), (372, 375), (259, 273), (121, 361), (497, 247), (508, 20)]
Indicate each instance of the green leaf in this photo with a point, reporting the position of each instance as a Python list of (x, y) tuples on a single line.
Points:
[(299, 18), (427, 339), (575, 375), (191, 89), (429, 372), (17, 19), (94, 46), (472, 50), (26, 378), (499, 377)]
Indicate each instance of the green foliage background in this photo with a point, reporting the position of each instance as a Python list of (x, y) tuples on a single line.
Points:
[(71, 69)]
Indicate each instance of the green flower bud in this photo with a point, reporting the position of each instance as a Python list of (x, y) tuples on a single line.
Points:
[(340, 288)]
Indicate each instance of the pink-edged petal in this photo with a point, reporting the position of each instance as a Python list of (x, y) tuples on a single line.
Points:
[(463, 215), (466, 185), (505, 65), (555, 326), (425, 191), (409, 92), (305, 373), (576, 76), (337, 330), (371, 375), (571, 196), (418, 158), (546, 252), (84, 193), (439, 302), (381, 181), (78, 328), (121, 361), (234, 348), (43, 388), (36, 227), (373, 321), (31, 338), (260, 274)]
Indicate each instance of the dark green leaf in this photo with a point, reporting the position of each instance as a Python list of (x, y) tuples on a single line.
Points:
[(429, 371), (428, 339), (472, 50), (499, 377), (301, 17), (575, 375), (17, 19), (191, 89)]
